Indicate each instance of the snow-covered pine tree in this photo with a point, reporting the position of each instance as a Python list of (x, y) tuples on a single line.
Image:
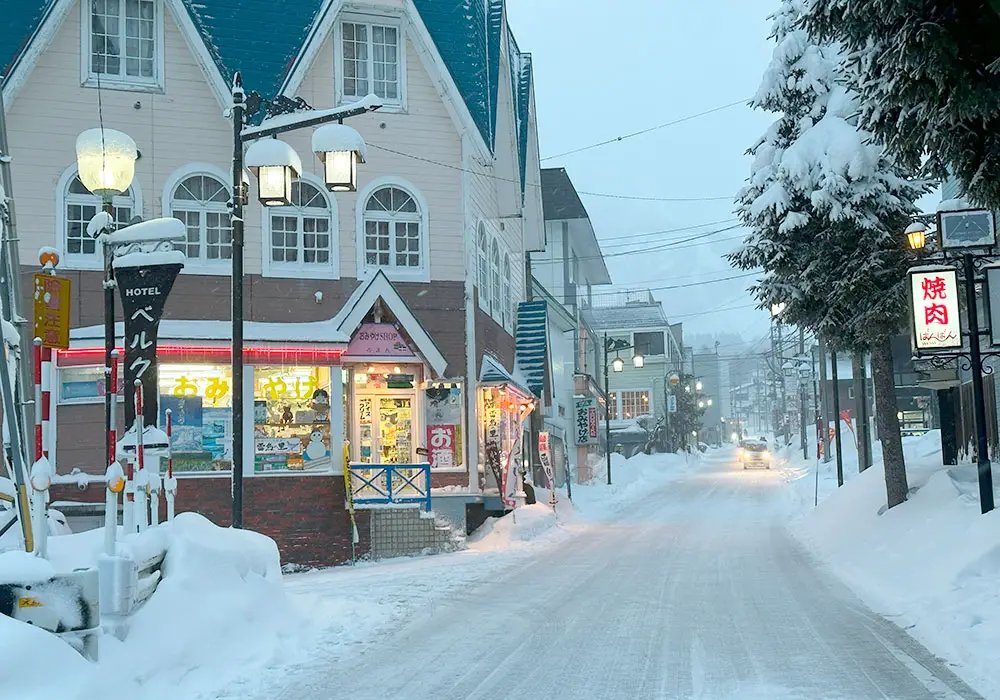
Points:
[(827, 209), (929, 79)]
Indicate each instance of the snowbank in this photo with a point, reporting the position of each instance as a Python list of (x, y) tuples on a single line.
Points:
[(219, 615), (931, 564)]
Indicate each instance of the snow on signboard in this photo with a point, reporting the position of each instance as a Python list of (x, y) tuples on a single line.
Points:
[(934, 297)]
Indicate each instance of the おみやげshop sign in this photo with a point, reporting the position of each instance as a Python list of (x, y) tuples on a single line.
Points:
[(934, 299)]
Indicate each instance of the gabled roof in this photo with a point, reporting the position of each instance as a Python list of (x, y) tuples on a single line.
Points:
[(628, 317), (559, 198), (263, 38)]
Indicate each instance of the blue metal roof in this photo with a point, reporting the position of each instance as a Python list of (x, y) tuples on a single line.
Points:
[(262, 38), (531, 340)]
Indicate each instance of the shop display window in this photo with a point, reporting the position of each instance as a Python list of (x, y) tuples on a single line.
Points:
[(292, 419), (200, 399)]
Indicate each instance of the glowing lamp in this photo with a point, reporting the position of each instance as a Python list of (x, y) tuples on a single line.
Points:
[(105, 161), (618, 364), (638, 361), (916, 235), (340, 148), (275, 164)]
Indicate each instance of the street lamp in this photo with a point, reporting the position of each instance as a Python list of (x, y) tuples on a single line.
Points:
[(969, 237), (105, 163), (701, 404), (614, 345), (275, 164), (340, 148), (709, 402), (698, 386)]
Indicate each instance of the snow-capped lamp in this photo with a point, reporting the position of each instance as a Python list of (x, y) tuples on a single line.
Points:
[(618, 364), (340, 148), (105, 161), (275, 164), (638, 361), (916, 235)]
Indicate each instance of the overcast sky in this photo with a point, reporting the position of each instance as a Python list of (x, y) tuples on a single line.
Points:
[(604, 69)]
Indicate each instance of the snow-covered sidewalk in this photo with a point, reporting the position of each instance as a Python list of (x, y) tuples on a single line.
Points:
[(932, 565)]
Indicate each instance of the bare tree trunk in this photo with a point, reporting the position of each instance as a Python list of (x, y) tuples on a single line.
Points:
[(896, 487)]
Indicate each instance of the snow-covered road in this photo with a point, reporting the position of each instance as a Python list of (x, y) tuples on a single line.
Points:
[(698, 592)]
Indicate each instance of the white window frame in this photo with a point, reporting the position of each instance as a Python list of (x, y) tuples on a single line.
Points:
[(302, 269), (506, 293), (397, 105), (395, 274), (88, 78), (200, 265), (483, 266), (63, 198), (620, 403)]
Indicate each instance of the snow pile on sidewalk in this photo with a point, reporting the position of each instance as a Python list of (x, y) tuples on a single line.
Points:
[(932, 565), (632, 479), (219, 615)]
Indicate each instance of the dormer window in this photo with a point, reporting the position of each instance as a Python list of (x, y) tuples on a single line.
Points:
[(122, 43), (370, 60)]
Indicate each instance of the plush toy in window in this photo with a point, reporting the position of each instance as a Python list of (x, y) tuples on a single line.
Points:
[(286, 417), (321, 405)]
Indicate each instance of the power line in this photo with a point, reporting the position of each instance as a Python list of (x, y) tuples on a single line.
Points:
[(674, 245), (648, 130), (610, 195), (666, 230)]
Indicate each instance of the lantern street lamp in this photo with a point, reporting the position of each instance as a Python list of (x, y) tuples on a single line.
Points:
[(614, 345), (698, 386), (340, 148), (275, 164), (105, 162), (966, 251)]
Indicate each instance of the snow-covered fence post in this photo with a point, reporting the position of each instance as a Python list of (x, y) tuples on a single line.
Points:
[(37, 374), (170, 483), (47, 436), (115, 479), (41, 479), (142, 480)]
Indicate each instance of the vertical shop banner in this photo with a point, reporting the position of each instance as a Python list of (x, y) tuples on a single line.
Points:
[(511, 484), (144, 292), (545, 455), (934, 298), (585, 422), (444, 427), (441, 443)]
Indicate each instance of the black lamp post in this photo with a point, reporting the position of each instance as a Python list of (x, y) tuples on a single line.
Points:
[(275, 163), (614, 345), (957, 239)]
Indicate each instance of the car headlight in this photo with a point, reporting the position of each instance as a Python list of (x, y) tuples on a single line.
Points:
[(767, 455)]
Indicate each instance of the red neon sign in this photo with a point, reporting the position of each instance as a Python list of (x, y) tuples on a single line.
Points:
[(76, 357)]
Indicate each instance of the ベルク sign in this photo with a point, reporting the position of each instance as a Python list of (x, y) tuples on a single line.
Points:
[(51, 310), (934, 304), (143, 291), (585, 421), (378, 340)]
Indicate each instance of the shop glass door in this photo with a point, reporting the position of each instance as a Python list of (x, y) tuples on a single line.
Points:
[(385, 429)]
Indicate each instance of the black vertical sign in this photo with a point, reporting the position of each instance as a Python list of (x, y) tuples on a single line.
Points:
[(144, 291)]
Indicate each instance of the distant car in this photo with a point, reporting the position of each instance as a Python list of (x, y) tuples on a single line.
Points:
[(702, 447), (754, 453)]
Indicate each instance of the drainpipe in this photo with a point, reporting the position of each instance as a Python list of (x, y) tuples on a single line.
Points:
[(471, 375)]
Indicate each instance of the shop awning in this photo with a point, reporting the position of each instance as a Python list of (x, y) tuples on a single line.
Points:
[(493, 373), (531, 343)]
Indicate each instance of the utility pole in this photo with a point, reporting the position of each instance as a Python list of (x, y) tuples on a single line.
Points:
[(824, 408), (860, 382), (836, 418), (803, 441)]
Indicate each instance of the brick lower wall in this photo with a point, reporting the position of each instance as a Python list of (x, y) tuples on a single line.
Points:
[(305, 516)]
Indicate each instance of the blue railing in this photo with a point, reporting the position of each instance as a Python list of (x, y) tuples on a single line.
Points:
[(391, 485)]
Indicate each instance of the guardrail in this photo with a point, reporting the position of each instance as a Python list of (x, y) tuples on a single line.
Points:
[(129, 579), (374, 485)]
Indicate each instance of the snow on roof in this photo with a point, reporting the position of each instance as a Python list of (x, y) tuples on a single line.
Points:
[(290, 120), (253, 331), (273, 152), (957, 204), (164, 229), (339, 137), (156, 257)]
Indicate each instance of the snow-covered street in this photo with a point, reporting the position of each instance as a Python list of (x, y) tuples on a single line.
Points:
[(698, 592)]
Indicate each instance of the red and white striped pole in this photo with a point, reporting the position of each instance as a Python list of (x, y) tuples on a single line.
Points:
[(141, 501), (113, 436), (37, 373), (47, 436)]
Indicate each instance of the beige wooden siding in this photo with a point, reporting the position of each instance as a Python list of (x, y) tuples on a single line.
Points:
[(425, 131), (52, 108)]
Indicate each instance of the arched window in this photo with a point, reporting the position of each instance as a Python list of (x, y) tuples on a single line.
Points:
[(484, 267), (301, 234), (201, 202), (79, 207), (495, 300), (508, 306), (393, 230)]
